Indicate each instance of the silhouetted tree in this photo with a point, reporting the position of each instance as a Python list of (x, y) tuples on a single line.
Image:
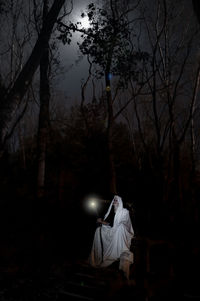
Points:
[(108, 43), (12, 98), (168, 103), (43, 127)]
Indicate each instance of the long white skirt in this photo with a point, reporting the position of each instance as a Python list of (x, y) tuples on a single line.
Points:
[(110, 245)]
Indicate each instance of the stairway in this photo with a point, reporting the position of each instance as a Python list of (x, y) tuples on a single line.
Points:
[(66, 282), (82, 283)]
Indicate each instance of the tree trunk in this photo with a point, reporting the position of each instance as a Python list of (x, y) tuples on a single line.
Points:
[(22, 147), (10, 102), (112, 173), (43, 129), (176, 176)]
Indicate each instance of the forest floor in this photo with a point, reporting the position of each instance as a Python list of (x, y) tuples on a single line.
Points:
[(77, 281), (68, 281)]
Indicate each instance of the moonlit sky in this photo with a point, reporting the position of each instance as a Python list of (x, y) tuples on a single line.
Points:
[(75, 70), (75, 66)]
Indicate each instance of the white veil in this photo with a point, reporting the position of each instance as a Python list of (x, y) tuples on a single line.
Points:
[(119, 208)]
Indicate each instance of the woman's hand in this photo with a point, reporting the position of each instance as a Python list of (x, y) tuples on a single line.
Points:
[(100, 221)]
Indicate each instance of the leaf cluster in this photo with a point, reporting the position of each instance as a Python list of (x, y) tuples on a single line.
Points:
[(108, 42)]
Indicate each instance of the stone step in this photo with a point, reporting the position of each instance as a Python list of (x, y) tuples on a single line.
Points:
[(73, 296), (82, 283)]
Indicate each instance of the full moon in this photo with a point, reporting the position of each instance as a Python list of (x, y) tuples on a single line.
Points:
[(84, 22)]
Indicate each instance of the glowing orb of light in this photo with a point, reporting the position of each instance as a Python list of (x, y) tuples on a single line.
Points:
[(92, 204)]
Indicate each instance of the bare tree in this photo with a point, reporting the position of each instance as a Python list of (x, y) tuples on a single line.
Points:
[(12, 99), (170, 93), (43, 127), (108, 43)]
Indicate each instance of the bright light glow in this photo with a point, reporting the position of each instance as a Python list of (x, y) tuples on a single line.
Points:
[(92, 204), (84, 22)]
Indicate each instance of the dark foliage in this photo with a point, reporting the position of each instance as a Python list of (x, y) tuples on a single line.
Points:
[(108, 42)]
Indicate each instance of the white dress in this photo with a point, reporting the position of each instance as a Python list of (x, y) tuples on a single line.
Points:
[(113, 243)]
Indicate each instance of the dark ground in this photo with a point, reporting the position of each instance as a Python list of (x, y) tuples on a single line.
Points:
[(45, 258), (74, 280)]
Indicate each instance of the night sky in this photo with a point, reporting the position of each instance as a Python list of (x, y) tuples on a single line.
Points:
[(75, 70)]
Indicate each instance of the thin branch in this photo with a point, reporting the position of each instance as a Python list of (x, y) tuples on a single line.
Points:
[(8, 135), (194, 96), (83, 87)]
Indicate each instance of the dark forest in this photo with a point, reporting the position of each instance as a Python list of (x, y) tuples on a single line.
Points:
[(134, 132)]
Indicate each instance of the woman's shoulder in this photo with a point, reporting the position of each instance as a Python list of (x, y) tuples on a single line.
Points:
[(125, 211)]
